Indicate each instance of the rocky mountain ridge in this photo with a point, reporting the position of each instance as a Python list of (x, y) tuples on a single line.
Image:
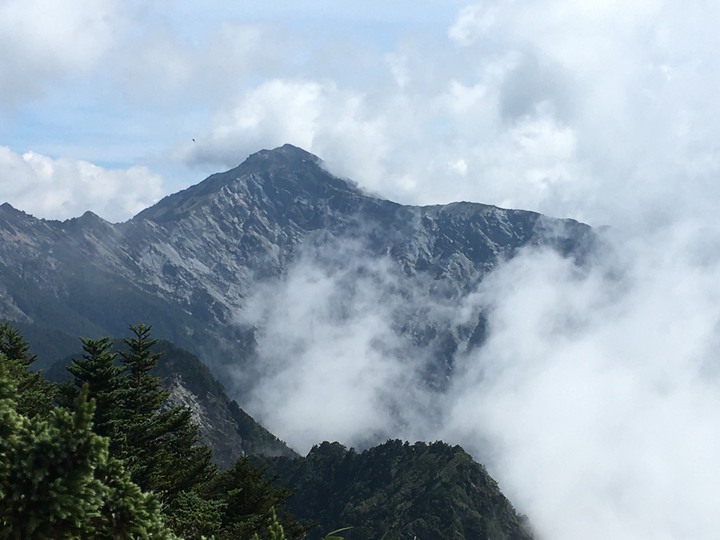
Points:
[(187, 264), (190, 264)]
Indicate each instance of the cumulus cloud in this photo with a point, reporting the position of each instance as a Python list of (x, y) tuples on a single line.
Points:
[(276, 110), (593, 110), (63, 188), (471, 23), (43, 41), (171, 68)]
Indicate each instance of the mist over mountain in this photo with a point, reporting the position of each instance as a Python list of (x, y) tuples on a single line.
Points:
[(189, 263), (326, 312)]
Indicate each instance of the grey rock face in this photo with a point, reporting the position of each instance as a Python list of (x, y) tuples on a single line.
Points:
[(187, 264)]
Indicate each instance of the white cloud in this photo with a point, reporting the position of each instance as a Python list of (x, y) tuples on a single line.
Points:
[(44, 40), (594, 399), (557, 106), (172, 69), (359, 386), (472, 22), (277, 110), (62, 188), (313, 115)]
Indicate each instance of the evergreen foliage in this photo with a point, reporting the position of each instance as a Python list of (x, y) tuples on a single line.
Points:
[(35, 394), (275, 529), (59, 481), (98, 371), (191, 515), (249, 500), (398, 490), (161, 445), (143, 392)]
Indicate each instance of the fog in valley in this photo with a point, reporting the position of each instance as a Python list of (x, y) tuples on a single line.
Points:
[(594, 397)]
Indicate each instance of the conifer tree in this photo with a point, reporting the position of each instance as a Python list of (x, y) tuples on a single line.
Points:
[(144, 394), (59, 481), (158, 444), (161, 444), (98, 371), (249, 500), (35, 394)]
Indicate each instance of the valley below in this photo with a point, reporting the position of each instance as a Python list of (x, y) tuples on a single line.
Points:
[(334, 338)]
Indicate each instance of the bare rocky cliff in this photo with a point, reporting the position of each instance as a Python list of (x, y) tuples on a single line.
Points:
[(187, 264)]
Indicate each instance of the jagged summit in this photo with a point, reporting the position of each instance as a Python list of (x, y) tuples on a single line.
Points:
[(89, 221), (8, 209), (14, 217), (287, 172), (91, 217), (287, 154), (188, 264)]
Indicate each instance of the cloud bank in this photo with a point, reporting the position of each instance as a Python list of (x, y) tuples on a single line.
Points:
[(46, 41), (593, 400), (598, 111), (62, 188), (330, 350)]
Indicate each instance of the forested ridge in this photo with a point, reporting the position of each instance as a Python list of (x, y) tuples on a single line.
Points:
[(104, 455), (398, 490)]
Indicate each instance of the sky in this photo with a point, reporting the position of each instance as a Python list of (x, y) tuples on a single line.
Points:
[(603, 111), (595, 400)]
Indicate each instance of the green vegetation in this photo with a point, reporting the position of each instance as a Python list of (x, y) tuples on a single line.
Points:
[(398, 490), (34, 394), (58, 479), (104, 455)]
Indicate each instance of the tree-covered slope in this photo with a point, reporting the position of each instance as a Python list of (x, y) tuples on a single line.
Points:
[(398, 490), (106, 456), (224, 427)]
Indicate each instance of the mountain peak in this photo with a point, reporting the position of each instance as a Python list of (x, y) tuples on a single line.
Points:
[(285, 155), (286, 173), (9, 211), (7, 207), (283, 159)]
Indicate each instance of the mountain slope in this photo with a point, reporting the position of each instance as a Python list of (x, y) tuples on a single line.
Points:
[(224, 427), (398, 490), (188, 264)]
